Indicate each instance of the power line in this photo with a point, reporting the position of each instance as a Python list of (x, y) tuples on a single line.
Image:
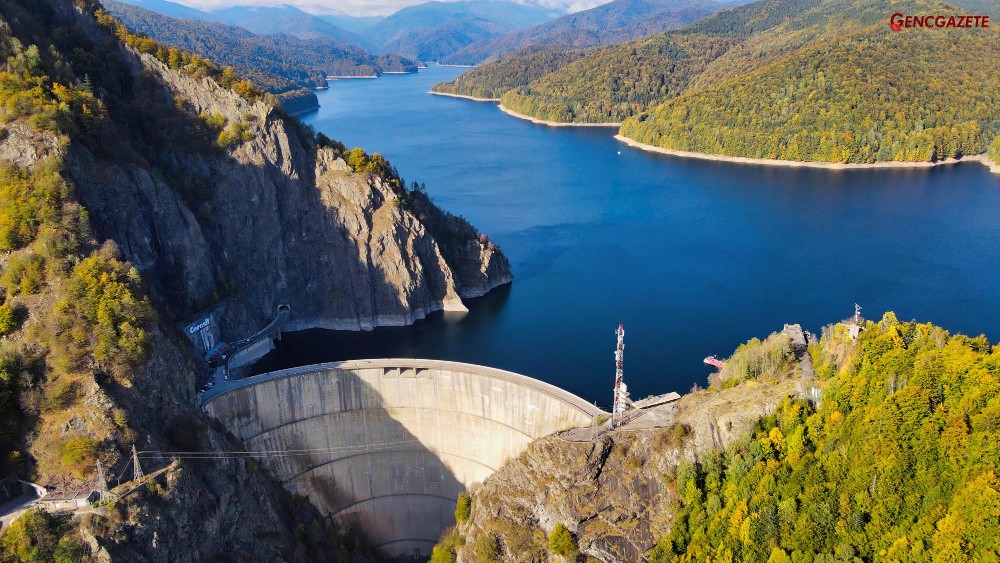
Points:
[(152, 454)]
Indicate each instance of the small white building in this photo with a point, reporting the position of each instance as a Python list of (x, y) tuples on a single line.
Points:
[(68, 500)]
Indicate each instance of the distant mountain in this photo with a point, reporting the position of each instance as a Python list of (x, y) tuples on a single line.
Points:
[(492, 80), (431, 14), (989, 7), (805, 88), (614, 22), (281, 64), (800, 80), (172, 9), (285, 19), (433, 30), (354, 24), (434, 43), (564, 6)]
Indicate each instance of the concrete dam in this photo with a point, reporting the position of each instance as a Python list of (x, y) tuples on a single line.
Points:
[(386, 446)]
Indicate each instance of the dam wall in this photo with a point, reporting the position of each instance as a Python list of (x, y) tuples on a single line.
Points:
[(386, 446)]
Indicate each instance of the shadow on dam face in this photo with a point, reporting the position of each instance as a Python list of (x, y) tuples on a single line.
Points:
[(386, 446)]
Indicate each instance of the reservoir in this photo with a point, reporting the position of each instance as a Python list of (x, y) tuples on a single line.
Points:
[(694, 257)]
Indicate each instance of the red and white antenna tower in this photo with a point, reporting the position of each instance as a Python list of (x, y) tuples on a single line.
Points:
[(621, 390)]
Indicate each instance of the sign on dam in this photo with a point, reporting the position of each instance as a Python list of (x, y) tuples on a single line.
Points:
[(387, 445)]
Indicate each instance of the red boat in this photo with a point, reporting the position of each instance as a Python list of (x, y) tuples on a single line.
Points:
[(713, 361)]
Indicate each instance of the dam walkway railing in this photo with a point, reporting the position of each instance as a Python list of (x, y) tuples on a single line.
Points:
[(590, 409)]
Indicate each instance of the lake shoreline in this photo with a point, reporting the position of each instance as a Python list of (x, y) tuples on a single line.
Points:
[(463, 96), (981, 158), (537, 121)]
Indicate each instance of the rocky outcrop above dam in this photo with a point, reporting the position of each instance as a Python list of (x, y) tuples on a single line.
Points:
[(615, 493), (275, 218), (386, 446)]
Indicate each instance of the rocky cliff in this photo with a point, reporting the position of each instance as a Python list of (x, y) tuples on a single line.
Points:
[(614, 492), (277, 219), (109, 159)]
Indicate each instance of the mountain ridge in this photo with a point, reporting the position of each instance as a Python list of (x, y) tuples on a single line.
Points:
[(654, 84), (286, 66), (163, 184), (614, 22)]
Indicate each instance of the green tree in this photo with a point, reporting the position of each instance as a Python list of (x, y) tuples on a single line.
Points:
[(562, 542), (32, 537), (357, 159), (463, 507), (78, 455), (897, 462), (441, 554), (101, 316), (8, 319)]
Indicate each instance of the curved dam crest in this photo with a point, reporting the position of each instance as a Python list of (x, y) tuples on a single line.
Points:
[(387, 445)]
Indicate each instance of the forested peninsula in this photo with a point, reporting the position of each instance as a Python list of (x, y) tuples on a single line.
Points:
[(884, 449), (788, 80)]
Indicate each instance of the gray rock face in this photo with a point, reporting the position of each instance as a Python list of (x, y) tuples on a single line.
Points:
[(616, 493), (23, 147), (284, 221)]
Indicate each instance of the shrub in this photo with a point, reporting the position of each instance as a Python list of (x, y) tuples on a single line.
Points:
[(61, 395), (78, 455), (769, 358), (29, 200), (442, 554), (70, 551), (24, 274), (8, 319), (463, 507), (562, 542), (233, 135), (32, 537), (486, 548), (101, 315)]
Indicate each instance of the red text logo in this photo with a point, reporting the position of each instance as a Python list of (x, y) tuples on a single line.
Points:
[(898, 21)]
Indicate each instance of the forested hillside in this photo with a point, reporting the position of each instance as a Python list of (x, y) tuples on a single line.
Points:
[(284, 19), (305, 62), (492, 80), (820, 104), (898, 462), (436, 42), (433, 30), (137, 182), (786, 79), (616, 82), (282, 64), (895, 458), (614, 22), (81, 336)]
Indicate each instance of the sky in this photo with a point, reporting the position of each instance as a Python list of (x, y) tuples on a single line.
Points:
[(370, 7)]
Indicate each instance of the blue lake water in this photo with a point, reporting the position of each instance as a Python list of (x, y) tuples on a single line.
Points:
[(694, 257)]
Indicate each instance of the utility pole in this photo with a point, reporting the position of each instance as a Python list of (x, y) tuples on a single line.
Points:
[(135, 463), (102, 483), (621, 390), (104, 493)]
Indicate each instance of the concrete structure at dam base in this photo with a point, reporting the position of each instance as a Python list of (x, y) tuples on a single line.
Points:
[(385, 446)]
